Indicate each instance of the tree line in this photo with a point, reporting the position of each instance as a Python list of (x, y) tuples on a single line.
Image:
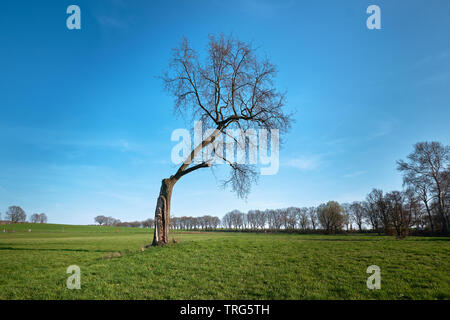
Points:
[(180, 223), (110, 221), (16, 214), (423, 205)]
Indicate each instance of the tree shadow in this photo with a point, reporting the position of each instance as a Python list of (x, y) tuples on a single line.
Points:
[(43, 249)]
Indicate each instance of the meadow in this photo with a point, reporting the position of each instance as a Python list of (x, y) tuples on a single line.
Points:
[(217, 265)]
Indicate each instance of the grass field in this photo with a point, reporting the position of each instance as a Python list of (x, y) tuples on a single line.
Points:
[(217, 265)]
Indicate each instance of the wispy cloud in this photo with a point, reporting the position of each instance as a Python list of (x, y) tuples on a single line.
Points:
[(445, 54), (383, 128), (434, 79), (259, 7), (74, 141), (112, 22), (304, 163), (355, 174), (266, 7), (127, 198), (112, 16)]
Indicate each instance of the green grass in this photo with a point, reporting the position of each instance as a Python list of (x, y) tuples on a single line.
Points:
[(218, 265)]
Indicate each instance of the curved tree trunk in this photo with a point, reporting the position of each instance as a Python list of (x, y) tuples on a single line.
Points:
[(162, 213)]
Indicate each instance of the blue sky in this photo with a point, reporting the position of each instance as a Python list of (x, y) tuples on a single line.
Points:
[(85, 124)]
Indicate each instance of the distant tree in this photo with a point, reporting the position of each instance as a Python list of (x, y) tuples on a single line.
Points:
[(399, 216), (215, 222), (312, 213), (110, 221), (43, 218), (371, 216), (260, 219), (330, 216), (149, 223), (378, 211), (357, 214), (252, 219), (291, 217), (303, 218), (34, 218), (101, 220), (227, 222), (15, 214), (236, 219), (415, 208), (426, 170)]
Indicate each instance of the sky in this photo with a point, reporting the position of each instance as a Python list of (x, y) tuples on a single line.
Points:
[(85, 123)]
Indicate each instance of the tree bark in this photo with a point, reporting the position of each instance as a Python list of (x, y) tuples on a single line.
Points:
[(162, 213), (429, 216)]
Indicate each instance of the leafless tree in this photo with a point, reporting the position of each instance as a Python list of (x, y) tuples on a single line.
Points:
[(400, 218), (149, 223), (357, 214), (260, 219), (292, 215), (346, 219), (232, 88), (227, 221), (330, 216), (371, 215), (378, 213), (312, 212), (101, 220), (429, 165), (15, 214), (414, 207), (34, 218), (252, 219), (43, 218), (303, 218)]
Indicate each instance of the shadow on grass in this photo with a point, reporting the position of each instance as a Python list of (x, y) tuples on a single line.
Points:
[(342, 240), (377, 240), (42, 249)]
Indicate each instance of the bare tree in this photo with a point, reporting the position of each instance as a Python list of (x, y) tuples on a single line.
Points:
[(414, 207), (330, 216), (43, 218), (227, 221), (400, 218), (15, 214), (357, 214), (378, 213), (303, 221), (312, 212), (252, 219), (429, 164), (34, 218), (292, 215), (148, 223), (232, 88), (260, 219), (101, 220)]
